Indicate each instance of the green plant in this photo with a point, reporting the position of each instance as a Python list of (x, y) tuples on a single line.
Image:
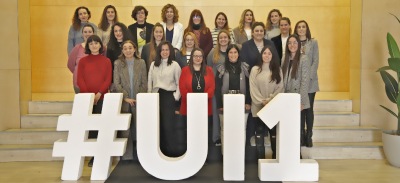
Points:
[(391, 84)]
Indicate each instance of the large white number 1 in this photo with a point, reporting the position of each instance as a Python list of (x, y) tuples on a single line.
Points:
[(285, 109)]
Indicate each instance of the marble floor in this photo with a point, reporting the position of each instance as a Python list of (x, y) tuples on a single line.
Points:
[(331, 171)]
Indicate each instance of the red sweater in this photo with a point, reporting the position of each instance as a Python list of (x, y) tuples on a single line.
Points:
[(185, 87), (94, 74)]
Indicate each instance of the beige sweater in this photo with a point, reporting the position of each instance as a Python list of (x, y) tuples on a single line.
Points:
[(261, 88)]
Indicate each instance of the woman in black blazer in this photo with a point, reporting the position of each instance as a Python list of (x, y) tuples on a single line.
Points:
[(141, 30)]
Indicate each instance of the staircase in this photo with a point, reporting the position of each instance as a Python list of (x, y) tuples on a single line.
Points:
[(337, 133)]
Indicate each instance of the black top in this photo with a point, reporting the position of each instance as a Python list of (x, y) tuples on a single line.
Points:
[(169, 34), (148, 28), (198, 82), (278, 45)]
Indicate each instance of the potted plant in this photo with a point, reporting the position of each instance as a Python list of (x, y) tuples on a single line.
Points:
[(391, 139)]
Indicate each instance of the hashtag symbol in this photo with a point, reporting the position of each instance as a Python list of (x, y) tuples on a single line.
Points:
[(78, 146)]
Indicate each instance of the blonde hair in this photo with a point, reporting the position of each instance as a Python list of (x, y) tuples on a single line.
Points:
[(241, 21), (196, 43), (217, 48)]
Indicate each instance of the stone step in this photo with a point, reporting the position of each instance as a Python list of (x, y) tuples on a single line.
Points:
[(336, 119), (23, 152), (65, 107), (347, 134), (31, 136), (39, 121), (346, 150)]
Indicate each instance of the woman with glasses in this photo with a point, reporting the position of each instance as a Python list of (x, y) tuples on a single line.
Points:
[(189, 43), (141, 29), (198, 26)]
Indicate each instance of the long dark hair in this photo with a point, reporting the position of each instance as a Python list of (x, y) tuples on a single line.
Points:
[(308, 32), (93, 38), (103, 25), (296, 59), (203, 27), (113, 43), (228, 64), (153, 44), (203, 63), (171, 56), (274, 65), (76, 22)]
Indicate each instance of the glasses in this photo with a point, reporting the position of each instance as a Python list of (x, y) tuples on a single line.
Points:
[(293, 43), (197, 16), (197, 56)]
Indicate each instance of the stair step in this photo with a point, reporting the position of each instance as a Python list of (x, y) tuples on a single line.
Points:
[(344, 150), (333, 105), (53, 107), (31, 136), (336, 119), (39, 121), (23, 152), (347, 134)]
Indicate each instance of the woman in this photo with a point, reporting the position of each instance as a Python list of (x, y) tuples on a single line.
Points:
[(130, 78), (242, 33), (215, 58), (280, 40), (232, 78), (309, 47), (149, 50), (189, 42), (172, 28), (94, 76), (141, 30), (119, 33), (250, 53), (296, 74), (265, 83), (197, 77), (108, 19), (221, 23), (163, 79), (77, 53), (198, 26), (81, 17), (272, 24)]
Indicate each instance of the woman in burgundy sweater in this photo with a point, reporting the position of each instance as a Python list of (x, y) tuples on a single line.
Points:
[(198, 27)]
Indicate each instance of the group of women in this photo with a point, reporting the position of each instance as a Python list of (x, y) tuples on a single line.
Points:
[(166, 59)]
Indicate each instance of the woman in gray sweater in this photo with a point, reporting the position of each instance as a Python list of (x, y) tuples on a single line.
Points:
[(266, 82)]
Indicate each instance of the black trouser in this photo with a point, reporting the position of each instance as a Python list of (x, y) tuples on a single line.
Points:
[(250, 128), (307, 115), (182, 134), (96, 110), (130, 134), (260, 133), (168, 122)]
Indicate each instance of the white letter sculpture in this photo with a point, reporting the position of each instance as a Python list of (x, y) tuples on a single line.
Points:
[(77, 146), (234, 137), (150, 156), (285, 109)]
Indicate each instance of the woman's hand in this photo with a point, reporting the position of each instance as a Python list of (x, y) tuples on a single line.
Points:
[(97, 98), (130, 101), (247, 107)]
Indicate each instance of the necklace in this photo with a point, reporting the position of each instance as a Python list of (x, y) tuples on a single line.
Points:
[(303, 46), (198, 81)]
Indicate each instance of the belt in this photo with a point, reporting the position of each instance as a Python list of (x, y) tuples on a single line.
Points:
[(233, 91)]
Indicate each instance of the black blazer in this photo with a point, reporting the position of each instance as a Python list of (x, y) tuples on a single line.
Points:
[(149, 31), (278, 45), (250, 53)]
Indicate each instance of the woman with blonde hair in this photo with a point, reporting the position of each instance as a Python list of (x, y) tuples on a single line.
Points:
[(242, 32), (189, 43), (272, 25)]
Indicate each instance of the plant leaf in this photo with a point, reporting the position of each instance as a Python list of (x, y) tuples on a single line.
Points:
[(394, 64), (384, 68), (388, 110), (391, 86), (392, 46), (395, 17)]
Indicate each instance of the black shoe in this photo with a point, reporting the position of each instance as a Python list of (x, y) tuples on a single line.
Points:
[(90, 164), (218, 142), (309, 142)]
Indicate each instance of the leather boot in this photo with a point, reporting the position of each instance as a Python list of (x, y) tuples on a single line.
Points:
[(309, 142), (260, 146), (273, 146), (302, 138)]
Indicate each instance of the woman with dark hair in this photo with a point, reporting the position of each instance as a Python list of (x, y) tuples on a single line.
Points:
[(172, 28), (250, 53), (140, 30), (197, 77), (242, 32), (108, 19), (77, 53), (221, 23), (119, 34), (309, 47), (265, 83), (189, 43), (272, 25), (94, 76), (296, 74), (198, 26), (149, 50), (232, 78), (163, 79), (130, 78), (81, 17), (280, 40)]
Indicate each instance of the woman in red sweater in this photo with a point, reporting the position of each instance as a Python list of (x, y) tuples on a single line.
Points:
[(197, 77), (94, 75)]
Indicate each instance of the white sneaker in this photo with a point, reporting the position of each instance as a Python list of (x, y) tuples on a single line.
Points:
[(253, 141)]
